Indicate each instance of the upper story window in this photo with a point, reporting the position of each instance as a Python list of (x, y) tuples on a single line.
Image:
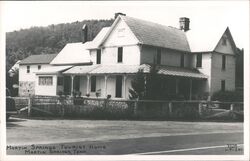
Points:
[(199, 60), (120, 54), (28, 69), (45, 81), (93, 83), (223, 62), (39, 67), (224, 41), (98, 56), (182, 60), (223, 85), (158, 56)]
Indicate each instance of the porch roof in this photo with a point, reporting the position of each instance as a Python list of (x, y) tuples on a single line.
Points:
[(53, 69), (107, 69), (132, 69), (181, 72)]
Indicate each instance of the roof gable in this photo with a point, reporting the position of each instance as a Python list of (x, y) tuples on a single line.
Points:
[(229, 47), (153, 34), (120, 35), (38, 59), (207, 40)]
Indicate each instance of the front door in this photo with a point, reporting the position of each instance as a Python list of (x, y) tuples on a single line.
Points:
[(67, 85), (118, 86)]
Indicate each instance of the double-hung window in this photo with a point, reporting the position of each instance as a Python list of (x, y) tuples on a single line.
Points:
[(120, 55), (98, 56), (45, 81), (28, 69), (223, 62), (199, 60)]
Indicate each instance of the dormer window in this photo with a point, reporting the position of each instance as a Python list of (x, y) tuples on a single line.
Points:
[(39, 67), (120, 55)]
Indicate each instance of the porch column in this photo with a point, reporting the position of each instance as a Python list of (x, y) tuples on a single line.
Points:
[(88, 76), (105, 85), (191, 86), (124, 85), (72, 84), (176, 85)]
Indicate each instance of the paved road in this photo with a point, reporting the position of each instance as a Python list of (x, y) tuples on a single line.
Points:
[(202, 144), (60, 136)]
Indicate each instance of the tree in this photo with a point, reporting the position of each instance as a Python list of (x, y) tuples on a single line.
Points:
[(147, 86), (138, 86)]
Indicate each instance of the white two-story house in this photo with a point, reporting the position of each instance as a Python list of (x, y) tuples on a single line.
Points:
[(190, 67)]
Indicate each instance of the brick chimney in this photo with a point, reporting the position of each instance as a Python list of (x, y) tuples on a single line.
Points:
[(184, 23), (119, 13), (84, 33)]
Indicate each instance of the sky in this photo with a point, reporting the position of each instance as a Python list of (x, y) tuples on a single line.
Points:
[(203, 15)]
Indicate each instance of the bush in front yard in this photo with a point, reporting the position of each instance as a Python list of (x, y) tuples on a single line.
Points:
[(228, 96)]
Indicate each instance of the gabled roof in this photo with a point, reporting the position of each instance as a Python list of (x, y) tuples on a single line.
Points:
[(206, 41), (153, 34), (38, 59), (72, 53)]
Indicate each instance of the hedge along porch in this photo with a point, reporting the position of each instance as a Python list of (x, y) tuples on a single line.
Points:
[(115, 80)]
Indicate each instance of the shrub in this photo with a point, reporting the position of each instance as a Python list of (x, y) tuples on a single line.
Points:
[(228, 96)]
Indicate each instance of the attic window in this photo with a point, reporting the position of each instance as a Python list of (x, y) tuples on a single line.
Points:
[(224, 41), (121, 32)]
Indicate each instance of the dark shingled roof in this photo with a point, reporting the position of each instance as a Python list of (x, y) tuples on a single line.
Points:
[(38, 59), (154, 34)]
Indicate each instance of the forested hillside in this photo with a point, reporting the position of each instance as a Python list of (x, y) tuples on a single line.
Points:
[(48, 40)]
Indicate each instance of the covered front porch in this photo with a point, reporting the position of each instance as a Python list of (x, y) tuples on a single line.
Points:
[(114, 81)]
